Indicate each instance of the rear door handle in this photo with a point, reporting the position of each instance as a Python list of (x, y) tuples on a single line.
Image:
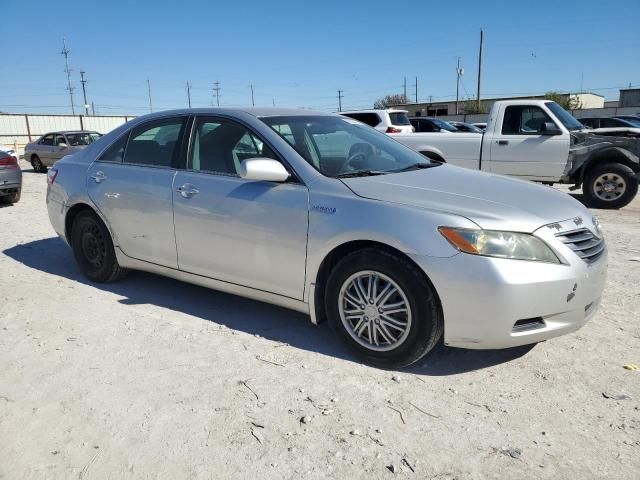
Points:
[(99, 177), (187, 190), (503, 142)]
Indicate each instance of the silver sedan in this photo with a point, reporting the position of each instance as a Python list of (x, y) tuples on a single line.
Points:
[(51, 147), (324, 215)]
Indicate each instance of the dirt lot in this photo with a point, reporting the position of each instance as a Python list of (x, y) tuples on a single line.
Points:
[(153, 378)]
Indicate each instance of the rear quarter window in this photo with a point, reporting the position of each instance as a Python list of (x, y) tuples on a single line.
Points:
[(399, 118)]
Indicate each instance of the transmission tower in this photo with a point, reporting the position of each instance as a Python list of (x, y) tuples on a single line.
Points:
[(67, 68)]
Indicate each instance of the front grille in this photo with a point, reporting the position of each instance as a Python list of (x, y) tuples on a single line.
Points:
[(584, 243)]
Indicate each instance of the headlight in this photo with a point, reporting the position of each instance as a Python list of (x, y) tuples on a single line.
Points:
[(492, 243)]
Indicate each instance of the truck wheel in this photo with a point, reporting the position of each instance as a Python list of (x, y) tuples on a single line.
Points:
[(610, 185), (383, 307)]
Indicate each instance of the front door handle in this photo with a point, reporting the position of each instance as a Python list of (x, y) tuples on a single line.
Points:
[(187, 190), (99, 177), (503, 142)]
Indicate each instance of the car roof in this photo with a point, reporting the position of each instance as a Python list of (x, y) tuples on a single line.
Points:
[(64, 132), (373, 110), (254, 111)]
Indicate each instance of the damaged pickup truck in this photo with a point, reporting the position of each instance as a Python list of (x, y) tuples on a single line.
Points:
[(538, 140)]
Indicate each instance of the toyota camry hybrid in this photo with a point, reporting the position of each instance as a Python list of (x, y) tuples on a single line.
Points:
[(327, 216)]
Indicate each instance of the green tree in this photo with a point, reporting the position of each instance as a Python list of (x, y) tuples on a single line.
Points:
[(470, 107), (565, 100), (390, 101)]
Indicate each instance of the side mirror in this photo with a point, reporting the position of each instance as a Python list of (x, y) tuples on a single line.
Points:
[(263, 169), (550, 128), (63, 145)]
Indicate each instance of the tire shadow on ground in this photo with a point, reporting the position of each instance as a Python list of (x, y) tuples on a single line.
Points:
[(52, 256)]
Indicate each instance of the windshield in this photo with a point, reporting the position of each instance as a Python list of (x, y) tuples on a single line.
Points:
[(633, 121), (81, 139), (565, 117), (337, 146), (399, 118)]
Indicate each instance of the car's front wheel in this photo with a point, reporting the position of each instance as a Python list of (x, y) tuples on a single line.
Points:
[(383, 307), (93, 248)]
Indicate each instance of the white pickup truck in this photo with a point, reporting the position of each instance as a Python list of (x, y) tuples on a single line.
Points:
[(538, 140)]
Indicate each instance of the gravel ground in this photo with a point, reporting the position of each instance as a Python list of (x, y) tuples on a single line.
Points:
[(153, 378)]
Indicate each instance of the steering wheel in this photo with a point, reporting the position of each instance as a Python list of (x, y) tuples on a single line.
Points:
[(359, 152), (348, 166)]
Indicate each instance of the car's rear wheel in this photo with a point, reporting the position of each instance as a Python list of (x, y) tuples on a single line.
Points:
[(13, 198), (383, 307), (93, 248), (37, 164), (610, 185)]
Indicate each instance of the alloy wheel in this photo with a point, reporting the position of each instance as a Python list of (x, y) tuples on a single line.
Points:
[(374, 310)]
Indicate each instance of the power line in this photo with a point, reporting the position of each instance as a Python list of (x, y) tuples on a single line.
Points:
[(67, 68), (480, 66), (216, 92), (149, 94), (84, 92)]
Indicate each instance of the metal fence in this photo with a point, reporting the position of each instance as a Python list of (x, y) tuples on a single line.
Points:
[(18, 129)]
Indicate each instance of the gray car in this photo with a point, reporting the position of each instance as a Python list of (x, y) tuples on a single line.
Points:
[(324, 215), (51, 147), (10, 176)]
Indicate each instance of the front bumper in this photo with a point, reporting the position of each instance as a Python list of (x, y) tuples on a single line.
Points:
[(482, 298)]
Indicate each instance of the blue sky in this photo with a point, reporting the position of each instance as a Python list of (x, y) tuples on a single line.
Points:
[(299, 53)]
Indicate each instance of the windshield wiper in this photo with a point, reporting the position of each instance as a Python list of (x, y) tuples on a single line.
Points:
[(360, 173), (416, 166)]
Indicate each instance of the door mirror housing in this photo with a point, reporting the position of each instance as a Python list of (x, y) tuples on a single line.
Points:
[(263, 169), (63, 145), (550, 128)]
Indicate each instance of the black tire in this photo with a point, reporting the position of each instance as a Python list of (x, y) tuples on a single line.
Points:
[(427, 324), (593, 185), (37, 164), (93, 248), (13, 198)]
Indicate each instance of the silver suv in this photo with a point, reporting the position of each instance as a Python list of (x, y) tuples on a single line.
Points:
[(321, 214)]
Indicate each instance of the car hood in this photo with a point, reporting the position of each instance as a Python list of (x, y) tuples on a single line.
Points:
[(491, 201)]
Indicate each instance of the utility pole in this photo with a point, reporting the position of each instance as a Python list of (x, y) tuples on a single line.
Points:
[(189, 93), (149, 93), (216, 92), (67, 68), (93, 109), (84, 93), (405, 88), (480, 67), (416, 85), (340, 100), (459, 73), (273, 100), (253, 102)]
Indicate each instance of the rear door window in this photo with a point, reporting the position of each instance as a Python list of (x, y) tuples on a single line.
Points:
[(156, 143), (370, 118)]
